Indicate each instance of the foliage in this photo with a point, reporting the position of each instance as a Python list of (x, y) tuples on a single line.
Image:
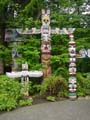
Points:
[(80, 85), (52, 85), (9, 93), (51, 98), (34, 86), (24, 88), (60, 57), (70, 13), (5, 54), (83, 65), (87, 83), (62, 71), (30, 51), (82, 38), (33, 7), (83, 84), (26, 101), (65, 13)]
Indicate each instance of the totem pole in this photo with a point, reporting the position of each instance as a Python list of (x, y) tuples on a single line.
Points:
[(46, 42), (45, 32), (72, 68), (11, 36)]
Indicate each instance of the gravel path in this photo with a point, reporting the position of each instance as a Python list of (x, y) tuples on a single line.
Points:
[(62, 110)]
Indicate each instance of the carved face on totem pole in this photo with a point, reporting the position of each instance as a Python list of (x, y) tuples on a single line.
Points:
[(45, 17), (72, 79), (72, 64), (72, 70), (45, 30), (72, 84), (72, 87), (72, 50), (46, 47)]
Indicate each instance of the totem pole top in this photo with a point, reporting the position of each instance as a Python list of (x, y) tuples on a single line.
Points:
[(64, 31), (45, 18), (12, 34)]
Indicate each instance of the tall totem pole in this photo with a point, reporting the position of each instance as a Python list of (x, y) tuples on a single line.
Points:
[(46, 42), (72, 68), (45, 32)]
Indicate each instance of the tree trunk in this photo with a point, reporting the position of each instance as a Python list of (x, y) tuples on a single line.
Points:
[(1, 67), (2, 36)]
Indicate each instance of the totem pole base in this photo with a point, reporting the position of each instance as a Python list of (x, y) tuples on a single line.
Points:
[(72, 96)]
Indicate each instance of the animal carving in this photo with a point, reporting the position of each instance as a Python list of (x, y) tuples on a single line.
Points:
[(46, 61), (45, 17), (46, 58), (46, 47), (72, 51)]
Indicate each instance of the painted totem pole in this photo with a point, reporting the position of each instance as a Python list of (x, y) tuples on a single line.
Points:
[(46, 43), (45, 32), (11, 36), (72, 68)]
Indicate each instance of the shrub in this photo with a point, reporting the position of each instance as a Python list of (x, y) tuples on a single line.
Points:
[(87, 83), (26, 101), (63, 93), (53, 85), (83, 84), (9, 93), (51, 98), (34, 86), (63, 72)]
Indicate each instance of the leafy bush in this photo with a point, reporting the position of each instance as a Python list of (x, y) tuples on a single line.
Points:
[(51, 98), (83, 84), (35, 86), (80, 85), (87, 83), (9, 93), (63, 72), (27, 101), (63, 93), (53, 85)]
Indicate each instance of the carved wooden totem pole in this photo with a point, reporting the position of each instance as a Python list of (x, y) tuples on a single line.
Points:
[(72, 68), (46, 43), (45, 32)]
